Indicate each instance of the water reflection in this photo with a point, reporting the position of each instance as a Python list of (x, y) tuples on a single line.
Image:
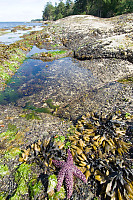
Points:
[(35, 50)]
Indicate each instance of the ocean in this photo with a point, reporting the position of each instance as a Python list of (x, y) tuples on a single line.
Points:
[(11, 37), (9, 25)]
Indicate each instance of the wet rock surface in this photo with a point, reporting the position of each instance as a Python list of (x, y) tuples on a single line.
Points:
[(49, 57), (103, 49)]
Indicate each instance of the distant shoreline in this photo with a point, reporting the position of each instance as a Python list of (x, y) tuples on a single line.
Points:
[(10, 25)]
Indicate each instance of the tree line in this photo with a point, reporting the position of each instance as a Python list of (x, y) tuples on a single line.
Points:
[(99, 8)]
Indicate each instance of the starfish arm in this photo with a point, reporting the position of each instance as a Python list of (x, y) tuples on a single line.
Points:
[(69, 183), (79, 174), (67, 171), (60, 178), (58, 163), (69, 158)]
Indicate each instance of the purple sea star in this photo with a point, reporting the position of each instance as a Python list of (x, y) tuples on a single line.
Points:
[(68, 169)]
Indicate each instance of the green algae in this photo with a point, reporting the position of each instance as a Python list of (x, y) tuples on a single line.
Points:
[(2, 196), (4, 170), (30, 116), (12, 153), (126, 80), (127, 115), (9, 95), (22, 189), (1, 68), (12, 66), (19, 58), (5, 76), (95, 198), (54, 45), (43, 110), (67, 145), (54, 53), (16, 54), (34, 109), (12, 58), (35, 188), (10, 133), (22, 177), (52, 183), (59, 138), (29, 106), (49, 55), (50, 104), (60, 195), (12, 127), (10, 140), (27, 185), (62, 139)]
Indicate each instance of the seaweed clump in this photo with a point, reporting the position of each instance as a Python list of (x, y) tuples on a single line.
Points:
[(43, 151), (100, 147)]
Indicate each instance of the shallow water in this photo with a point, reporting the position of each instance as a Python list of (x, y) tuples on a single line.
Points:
[(63, 76), (9, 25), (11, 37), (62, 80), (37, 50)]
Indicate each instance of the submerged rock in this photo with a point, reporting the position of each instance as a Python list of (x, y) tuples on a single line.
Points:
[(52, 55)]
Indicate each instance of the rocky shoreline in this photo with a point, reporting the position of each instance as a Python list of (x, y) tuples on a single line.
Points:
[(103, 46)]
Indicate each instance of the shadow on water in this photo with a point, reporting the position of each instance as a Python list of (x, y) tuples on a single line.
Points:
[(36, 75)]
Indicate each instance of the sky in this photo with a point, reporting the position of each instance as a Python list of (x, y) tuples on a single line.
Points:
[(22, 10)]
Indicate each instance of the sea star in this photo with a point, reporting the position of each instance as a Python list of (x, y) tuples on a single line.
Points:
[(68, 169)]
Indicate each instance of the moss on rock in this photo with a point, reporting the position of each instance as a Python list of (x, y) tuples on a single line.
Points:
[(4, 170)]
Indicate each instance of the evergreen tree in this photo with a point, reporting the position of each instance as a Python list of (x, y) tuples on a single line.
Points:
[(69, 7), (100, 8), (78, 7), (60, 10), (83, 6), (49, 12), (125, 6)]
